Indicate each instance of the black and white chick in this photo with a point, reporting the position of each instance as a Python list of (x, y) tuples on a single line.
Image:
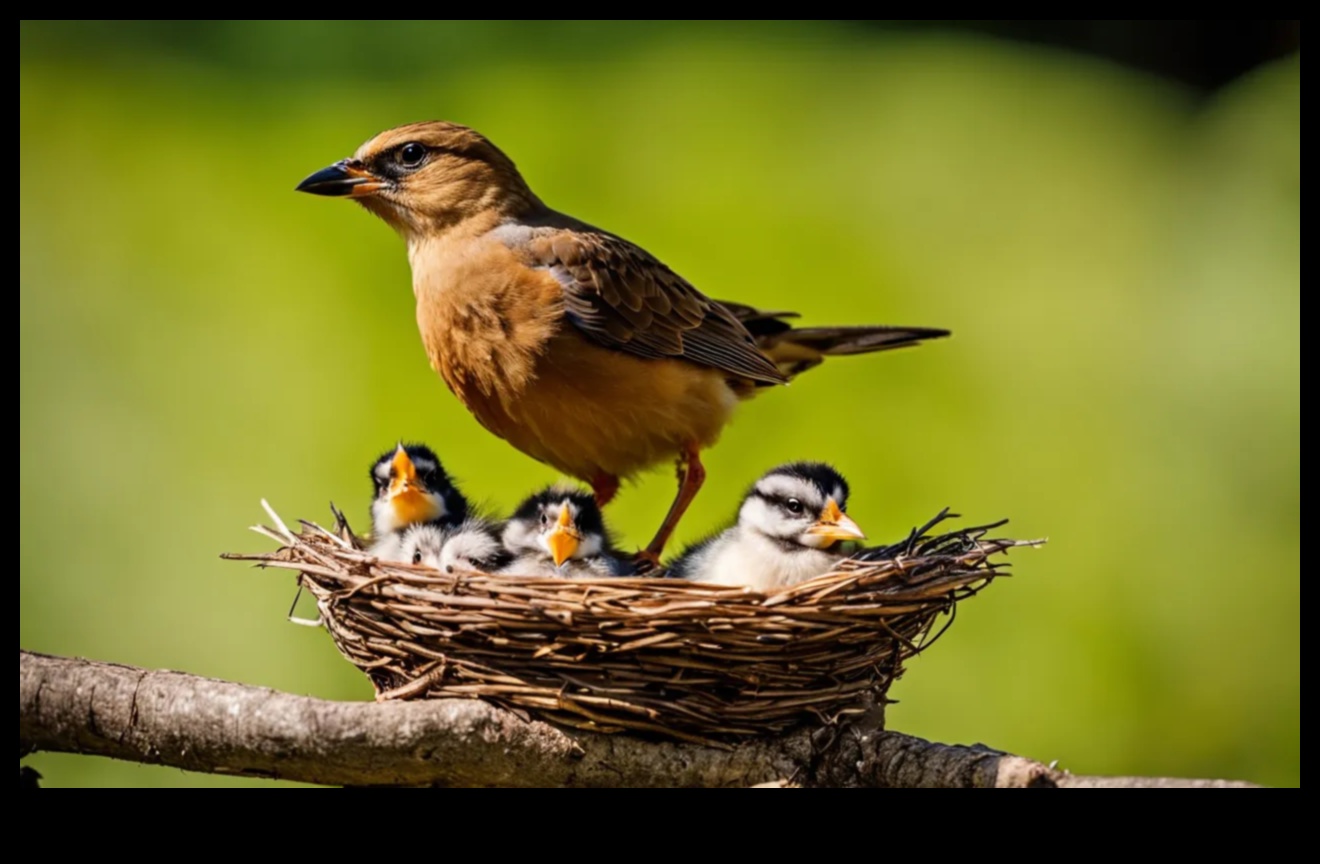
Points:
[(411, 488), (473, 545), (561, 532), (791, 527)]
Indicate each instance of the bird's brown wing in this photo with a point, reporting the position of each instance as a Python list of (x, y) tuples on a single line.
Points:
[(617, 294), (759, 322)]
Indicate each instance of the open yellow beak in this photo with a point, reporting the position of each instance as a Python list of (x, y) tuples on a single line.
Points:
[(410, 501), (563, 539), (834, 525)]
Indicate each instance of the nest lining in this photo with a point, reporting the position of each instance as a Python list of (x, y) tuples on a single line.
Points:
[(685, 660)]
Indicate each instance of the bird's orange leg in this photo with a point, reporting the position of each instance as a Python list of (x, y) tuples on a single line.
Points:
[(605, 487), (691, 474)]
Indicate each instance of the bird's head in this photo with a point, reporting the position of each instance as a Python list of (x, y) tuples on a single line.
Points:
[(423, 544), (412, 488), (559, 524), (425, 177), (800, 505), (473, 546)]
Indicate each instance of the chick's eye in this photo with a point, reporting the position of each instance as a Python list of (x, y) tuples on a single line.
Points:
[(794, 506), (417, 557), (411, 155), (545, 519)]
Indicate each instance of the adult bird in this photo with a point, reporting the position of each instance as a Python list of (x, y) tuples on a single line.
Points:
[(576, 346)]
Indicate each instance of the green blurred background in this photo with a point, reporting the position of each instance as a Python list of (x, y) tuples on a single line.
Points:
[(1118, 256)]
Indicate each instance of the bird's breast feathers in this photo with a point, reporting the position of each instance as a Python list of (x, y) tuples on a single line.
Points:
[(495, 330), (484, 317), (744, 558)]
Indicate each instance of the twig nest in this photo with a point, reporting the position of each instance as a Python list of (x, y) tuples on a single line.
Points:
[(667, 656)]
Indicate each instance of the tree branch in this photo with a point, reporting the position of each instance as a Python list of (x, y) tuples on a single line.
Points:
[(201, 724)]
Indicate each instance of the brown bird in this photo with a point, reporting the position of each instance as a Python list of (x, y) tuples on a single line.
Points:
[(576, 346)]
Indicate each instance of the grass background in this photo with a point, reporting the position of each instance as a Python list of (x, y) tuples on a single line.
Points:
[(1119, 262)]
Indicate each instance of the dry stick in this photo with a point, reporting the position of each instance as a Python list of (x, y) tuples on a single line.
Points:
[(200, 724)]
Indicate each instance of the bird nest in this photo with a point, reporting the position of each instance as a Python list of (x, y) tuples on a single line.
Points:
[(686, 660)]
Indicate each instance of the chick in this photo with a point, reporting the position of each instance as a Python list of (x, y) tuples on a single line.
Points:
[(791, 527), (560, 532), (473, 545), (412, 488)]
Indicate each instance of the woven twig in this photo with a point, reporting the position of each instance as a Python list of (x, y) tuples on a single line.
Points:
[(687, 660)]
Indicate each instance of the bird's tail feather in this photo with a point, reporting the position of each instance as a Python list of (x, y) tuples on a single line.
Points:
[(794, 350), (837, 341)]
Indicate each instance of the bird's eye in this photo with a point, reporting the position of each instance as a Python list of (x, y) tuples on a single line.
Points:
[(545, 519), (411, 155), (449, 568), (794, 506)]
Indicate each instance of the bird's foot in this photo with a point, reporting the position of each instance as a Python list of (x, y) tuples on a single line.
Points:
[(645, 562), (691, 474)]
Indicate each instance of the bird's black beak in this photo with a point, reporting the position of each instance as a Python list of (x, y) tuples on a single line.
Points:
[(346, 177)]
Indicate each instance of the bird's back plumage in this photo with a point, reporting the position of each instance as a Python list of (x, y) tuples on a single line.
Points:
[(622, 297)]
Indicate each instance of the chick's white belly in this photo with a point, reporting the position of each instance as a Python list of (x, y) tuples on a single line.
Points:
[(760, 564), (529, 565)]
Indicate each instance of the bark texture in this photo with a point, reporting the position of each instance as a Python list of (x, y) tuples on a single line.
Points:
[(201, 724)]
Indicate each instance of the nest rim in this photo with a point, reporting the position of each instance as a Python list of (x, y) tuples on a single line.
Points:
[(692, 661)]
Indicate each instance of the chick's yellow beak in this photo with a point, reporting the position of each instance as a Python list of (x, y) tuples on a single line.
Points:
[(403, 473), (347, 177), (835, 525), (563, 539), (411, 502)]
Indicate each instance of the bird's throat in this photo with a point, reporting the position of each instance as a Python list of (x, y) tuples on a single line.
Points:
[(412, 507)]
